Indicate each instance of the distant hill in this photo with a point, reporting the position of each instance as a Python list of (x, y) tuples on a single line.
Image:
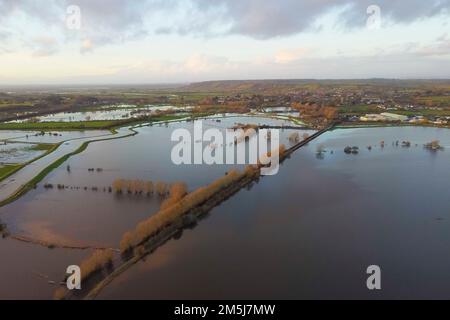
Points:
[(284, 86)]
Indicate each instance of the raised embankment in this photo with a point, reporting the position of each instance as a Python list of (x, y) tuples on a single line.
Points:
[(309, 139)]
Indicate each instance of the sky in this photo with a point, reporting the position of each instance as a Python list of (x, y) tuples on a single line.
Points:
[(178, 41)]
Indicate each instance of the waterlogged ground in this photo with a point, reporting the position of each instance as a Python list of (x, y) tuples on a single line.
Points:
[(312, 230), (18, 152), (308, 232), (107, 113), (47, 137), (79, 216), (33, 272), (13, 183)]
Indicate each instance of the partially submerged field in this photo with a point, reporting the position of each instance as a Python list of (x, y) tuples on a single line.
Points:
[(71, 215), (76, 205), (151, 150)]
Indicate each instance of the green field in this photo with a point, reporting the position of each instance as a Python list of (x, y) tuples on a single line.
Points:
[(425, 112), (15, 104), (359, 109), (42, 147), (8, 169), (86, 125), (440, 100), (76, 125), (364, 109)]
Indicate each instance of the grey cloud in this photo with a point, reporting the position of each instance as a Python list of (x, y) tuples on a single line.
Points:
[(42, 46), (109, 21), (272, 18)]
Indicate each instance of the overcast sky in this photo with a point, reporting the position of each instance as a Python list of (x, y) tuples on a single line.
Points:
[(162, 41)]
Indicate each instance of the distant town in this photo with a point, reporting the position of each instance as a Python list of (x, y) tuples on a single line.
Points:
[(418, 102)]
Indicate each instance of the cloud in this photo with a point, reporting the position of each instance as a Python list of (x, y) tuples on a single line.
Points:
[(86, 46), (288, 56), (4, 36), (273, 18), (116, 21), (43, 46), (440, 48)]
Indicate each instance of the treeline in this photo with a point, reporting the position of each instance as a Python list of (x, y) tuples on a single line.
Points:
[(176, 206), (146, 187), (315, 111), (179, 203)]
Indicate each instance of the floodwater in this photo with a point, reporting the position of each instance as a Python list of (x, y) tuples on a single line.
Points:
[(10, 185), (18, 152), (33, 272), (48, 136), (312, 230), (72, 215), (308, 232), (107, 113)]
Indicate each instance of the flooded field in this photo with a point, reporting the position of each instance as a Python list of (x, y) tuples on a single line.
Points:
[(312, 230), (106, 113), (145, 156), (19, 152), (48, 136), (308, 232), (12, 184)]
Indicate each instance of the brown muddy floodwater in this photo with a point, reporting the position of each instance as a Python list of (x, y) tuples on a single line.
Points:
[(97, 218), (312, 230), (308, 232)]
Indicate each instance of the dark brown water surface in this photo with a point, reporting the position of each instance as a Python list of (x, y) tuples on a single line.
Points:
[(309, 232), (312, 230)]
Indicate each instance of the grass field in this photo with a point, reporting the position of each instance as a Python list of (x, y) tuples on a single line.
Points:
[(15, 104), (435, 100), (76, 125), (8, 169), (425, 112), (42, 147), (364, 109), (168, 117), (359, 109), (85, 125)]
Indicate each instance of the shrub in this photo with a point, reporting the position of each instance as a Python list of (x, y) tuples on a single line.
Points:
[(148, 187), (59, 294), (96, 262), (265, 159), (139, 251), (176, 193), (161, 188), (126, 242), (118, 185), (294, 137)]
